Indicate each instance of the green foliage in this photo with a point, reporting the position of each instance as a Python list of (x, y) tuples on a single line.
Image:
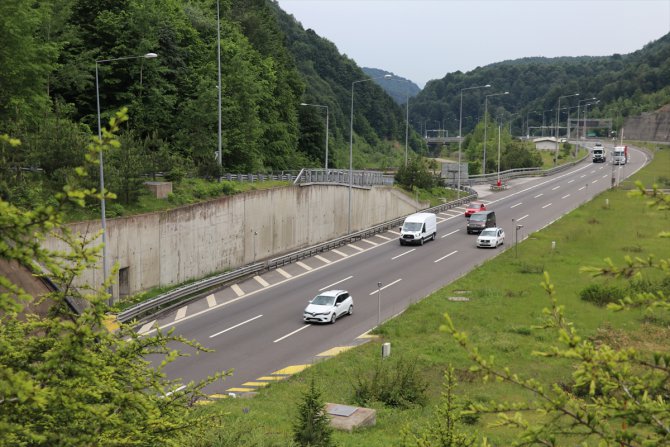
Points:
[(443, 430), (394, 382), (416, 174), (66, 380), (618, 396), (312, 427), (601, 295)]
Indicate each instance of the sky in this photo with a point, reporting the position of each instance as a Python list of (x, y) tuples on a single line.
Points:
[(425, 39)]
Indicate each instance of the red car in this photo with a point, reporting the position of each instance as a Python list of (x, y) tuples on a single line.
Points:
[(474, 207)]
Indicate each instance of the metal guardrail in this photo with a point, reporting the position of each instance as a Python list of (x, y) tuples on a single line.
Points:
[(178, 296), (341, 176)]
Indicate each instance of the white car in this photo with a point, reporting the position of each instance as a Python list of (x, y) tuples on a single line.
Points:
[(491, 237), (328, 306)]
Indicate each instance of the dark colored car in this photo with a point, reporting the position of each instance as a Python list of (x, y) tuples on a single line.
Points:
[(480, 220)]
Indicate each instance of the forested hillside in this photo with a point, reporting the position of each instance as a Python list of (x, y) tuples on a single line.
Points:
[(48, 54), (624, 85)]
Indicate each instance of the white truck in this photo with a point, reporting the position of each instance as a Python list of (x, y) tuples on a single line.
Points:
[(620, 155), (598, 153), (418, 228)]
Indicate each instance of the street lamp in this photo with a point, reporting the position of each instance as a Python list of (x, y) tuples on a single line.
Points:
[(103, 220), (558, 111), (218, 69), (351, 141), (579, 103), (498, 154), (460, 134), (327, 128), (586, 109), (486, 102), (379, 303)]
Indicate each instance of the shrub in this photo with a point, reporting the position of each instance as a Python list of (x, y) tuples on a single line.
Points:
[(396, 384), (601, 295)]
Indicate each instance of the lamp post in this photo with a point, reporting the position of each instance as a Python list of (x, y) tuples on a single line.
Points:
[(498, 154), (579, 103), (586, 109), (327, 128), (460, 133), (218, 69), (103, 220), (486, 103), (558, 111), (351, 141), (379, 303)]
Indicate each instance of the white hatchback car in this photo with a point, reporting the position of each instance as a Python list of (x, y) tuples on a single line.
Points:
[(328, 306), (491, 237)]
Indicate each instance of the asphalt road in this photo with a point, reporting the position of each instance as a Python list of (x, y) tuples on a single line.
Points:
[(255, 327)]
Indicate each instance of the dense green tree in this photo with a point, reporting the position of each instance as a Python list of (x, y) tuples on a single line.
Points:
[(66, 380), (416, 174)]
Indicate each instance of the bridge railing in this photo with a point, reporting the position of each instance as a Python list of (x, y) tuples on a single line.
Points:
[(341, 176)]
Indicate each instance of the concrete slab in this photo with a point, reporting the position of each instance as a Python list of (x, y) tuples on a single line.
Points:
[(345, 417)]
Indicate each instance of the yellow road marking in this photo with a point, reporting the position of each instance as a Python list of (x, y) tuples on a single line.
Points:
[(292, 369)]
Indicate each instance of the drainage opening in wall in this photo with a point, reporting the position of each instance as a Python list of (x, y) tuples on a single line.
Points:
[(124, 281)]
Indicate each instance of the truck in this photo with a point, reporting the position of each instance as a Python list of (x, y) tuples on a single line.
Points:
[(620, 155), (598, 153), (418, 228)]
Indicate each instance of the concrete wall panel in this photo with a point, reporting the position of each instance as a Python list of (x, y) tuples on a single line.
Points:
[(191, 242)]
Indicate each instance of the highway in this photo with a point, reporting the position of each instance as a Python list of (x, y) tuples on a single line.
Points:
[(255, 327)]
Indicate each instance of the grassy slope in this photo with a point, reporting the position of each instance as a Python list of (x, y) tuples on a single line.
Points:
[(505, 301)]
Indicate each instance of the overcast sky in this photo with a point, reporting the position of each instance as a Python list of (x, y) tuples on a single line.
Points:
[(425, 39)]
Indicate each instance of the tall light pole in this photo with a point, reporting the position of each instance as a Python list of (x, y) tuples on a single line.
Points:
[(486, 121), (460, 134), (586, 109), (103, 221), (218, 65), (327, 128), (558, 111), (498, 153), (579, 102), (351, 141)]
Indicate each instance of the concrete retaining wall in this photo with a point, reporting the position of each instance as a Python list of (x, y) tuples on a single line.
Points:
[(170, 247)]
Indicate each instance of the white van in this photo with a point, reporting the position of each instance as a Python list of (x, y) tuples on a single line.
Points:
[(418, 228)]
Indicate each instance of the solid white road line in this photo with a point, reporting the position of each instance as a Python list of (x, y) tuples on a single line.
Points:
[(330, 286), (236, 326)]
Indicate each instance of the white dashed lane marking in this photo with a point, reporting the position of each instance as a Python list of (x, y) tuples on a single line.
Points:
[(322, 259), (384, 237), (147, 327), (403, 254), (238, 291), (514, 206), (339, 253), (449, 234), (446, 256), (355, 247), (538, 196), (181, 313), (303, 265), (261, 281), (284, 273), (547, 205), (374, 244), (211, 300)]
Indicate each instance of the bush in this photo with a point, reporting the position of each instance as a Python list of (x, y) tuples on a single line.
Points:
[(396, 384), (601, 295)]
